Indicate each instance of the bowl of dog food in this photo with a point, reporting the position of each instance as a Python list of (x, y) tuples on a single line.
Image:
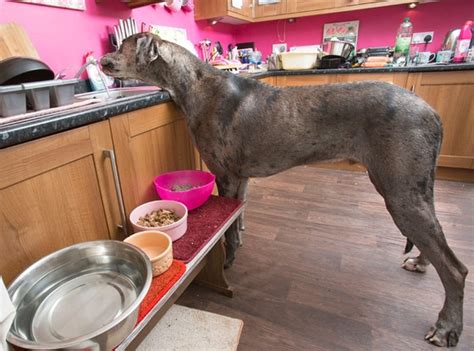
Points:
[(157, 246), (166, 216), (191, 187)]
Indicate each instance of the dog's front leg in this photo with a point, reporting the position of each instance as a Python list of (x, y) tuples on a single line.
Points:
[(234, 187)]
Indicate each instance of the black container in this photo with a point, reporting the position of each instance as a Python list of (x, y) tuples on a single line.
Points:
[(331, 61), (18, 70)]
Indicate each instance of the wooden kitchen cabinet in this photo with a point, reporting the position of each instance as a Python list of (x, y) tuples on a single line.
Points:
[(341, 3), (266, 10), (253, 11), (398, 78), (223, 10), (55, 192), (148, 142), (310, 79), (451, 94), (298, 6)]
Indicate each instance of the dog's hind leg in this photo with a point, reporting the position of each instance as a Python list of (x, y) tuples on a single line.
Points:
[(234, 187), (242, 196), (408, 196), (413, 264)]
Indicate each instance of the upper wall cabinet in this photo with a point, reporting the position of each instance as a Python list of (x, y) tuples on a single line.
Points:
[(240, 11), (229, 11), (297, 6), (266, 8)]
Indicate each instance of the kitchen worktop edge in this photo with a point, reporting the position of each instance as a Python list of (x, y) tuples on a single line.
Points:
[(28, 130), (421, 68)]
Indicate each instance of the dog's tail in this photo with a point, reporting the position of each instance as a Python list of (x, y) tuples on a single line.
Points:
[(409, 246)]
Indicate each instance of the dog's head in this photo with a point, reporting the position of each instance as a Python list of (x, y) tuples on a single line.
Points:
[(134, 57)]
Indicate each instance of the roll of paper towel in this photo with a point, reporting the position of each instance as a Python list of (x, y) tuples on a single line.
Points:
[(7, 314)]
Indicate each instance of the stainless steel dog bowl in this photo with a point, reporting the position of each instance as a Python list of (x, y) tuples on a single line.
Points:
[(85, 297)]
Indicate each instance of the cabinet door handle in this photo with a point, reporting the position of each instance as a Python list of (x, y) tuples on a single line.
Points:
[(118, 190), (412, 88)]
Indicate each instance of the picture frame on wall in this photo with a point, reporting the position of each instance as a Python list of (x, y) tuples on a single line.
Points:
[(346, 31), (67, 4)]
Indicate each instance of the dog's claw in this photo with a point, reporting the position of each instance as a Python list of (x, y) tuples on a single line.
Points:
[(442, 337), (413, 264), (435, 340)]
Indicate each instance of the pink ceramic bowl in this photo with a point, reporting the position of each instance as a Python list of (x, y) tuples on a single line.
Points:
[(202, 182), (157, 246), (175, 230)]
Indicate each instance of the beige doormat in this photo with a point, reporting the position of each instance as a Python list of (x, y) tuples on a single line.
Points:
[(183, 328)]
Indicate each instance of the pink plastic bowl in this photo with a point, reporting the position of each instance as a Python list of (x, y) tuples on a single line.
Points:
[(175, 230), (203, 183)]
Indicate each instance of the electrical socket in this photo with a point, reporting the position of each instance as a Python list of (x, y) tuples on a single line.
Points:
[(418, 37)]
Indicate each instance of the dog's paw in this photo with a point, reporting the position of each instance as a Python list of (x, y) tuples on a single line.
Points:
[(443, 336), (413, 264)]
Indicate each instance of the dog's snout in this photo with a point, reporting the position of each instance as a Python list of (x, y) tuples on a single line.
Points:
[(107, 62)]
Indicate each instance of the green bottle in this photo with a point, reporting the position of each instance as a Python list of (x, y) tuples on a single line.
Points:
[(403, 41)]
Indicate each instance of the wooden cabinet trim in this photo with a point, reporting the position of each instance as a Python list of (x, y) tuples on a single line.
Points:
[(446, 78), (466, 162)]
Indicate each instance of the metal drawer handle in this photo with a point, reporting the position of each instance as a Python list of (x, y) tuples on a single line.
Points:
[(118, 190)]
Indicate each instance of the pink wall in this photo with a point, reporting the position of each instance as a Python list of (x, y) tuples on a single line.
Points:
[(377, 27), (63, 36)]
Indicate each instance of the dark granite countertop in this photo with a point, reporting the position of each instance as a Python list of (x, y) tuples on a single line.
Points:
[(23, 131), (420, 68), (27, 130)]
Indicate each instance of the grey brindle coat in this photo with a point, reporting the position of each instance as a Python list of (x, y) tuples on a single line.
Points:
[(244, 128)]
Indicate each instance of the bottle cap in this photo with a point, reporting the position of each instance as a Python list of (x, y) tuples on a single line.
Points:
[(406, 19)]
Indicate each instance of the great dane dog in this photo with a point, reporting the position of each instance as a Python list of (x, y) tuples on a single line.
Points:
[(244, 128)]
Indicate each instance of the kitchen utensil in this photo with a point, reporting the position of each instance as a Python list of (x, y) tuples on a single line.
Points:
[(134, 26), (85, 296), (205, 48), (331, 61), (187, 6), (338, 48), (15, 42), (37, 95), (122, 29), (444, 56), (118, 38), (202, 186), (16, 70), (274, 62), (12, 100), (219, 48), (175, 230), (450, 40), (157, 246), (470, 55), (174, 5), (62, 92), (298, 60), (424, 57)]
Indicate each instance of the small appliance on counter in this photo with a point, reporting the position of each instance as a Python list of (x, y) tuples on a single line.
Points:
[(332, 62)]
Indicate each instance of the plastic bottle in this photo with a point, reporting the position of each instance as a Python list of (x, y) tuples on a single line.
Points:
[(97, 79), (463, 42), (403, 41)]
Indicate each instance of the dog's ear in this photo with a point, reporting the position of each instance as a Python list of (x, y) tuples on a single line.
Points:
[(147, 50)]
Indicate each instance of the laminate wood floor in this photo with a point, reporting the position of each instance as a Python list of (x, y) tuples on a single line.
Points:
[(320, 267)]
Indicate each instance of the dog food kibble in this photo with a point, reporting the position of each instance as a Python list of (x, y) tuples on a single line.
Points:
[(183, 187), (158, 218)]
